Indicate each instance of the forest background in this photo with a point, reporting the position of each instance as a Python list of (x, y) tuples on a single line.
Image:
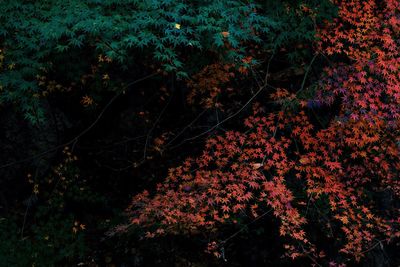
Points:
[(199, 133)]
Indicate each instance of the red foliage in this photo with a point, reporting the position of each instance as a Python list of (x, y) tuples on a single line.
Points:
[(208, 84), (281, 162)]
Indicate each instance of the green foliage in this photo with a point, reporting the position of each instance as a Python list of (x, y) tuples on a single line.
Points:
[(52, 232), (50, 243), (296, 27), (33, 33)]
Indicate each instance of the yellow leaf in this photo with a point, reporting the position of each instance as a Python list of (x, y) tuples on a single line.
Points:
[(344, 220), (87, 101)]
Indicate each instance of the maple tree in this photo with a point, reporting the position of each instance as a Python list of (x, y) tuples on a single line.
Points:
[(285, 164), (259, 132)]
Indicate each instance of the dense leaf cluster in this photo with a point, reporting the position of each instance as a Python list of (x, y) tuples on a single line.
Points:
[(284, 164), (38, 36)]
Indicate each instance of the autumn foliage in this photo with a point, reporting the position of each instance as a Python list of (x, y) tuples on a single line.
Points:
[(284, 163)]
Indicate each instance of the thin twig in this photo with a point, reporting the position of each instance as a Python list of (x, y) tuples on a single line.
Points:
[(244, 227), (186, 127), (154, 125), (306, 74), (27, 207), (224, 120)]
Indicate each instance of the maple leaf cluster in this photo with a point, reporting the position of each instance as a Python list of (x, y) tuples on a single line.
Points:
[(209, 83), (284, 164)]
